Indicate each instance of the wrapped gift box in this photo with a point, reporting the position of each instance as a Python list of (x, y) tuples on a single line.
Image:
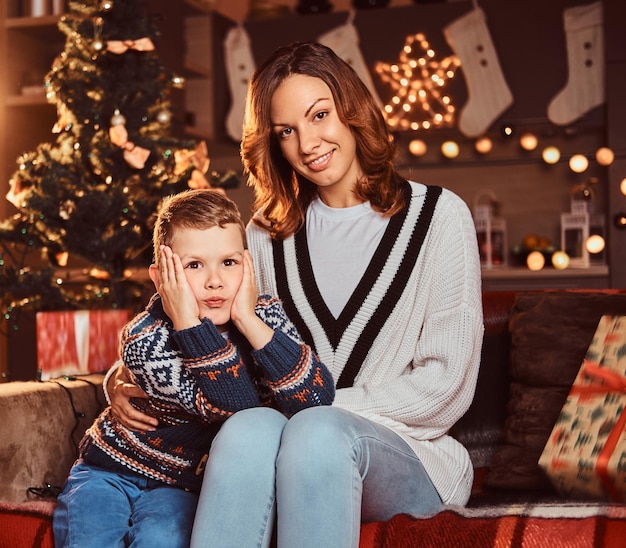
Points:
[(78, 342), (585, 455)]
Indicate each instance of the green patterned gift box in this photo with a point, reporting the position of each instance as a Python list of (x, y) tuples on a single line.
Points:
[(585, 456)]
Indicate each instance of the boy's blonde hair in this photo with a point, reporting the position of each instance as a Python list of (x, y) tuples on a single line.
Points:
[(201, 209)]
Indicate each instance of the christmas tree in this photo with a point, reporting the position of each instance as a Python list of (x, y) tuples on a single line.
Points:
[(91, 195)]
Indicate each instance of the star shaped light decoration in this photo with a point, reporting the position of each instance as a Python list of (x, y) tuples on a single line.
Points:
[(417, 82)]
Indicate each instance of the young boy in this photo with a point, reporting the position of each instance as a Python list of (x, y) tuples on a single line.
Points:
[(205, 347)]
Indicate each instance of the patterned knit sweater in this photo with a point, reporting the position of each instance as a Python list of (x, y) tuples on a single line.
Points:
[(195, 379), (405, 350)]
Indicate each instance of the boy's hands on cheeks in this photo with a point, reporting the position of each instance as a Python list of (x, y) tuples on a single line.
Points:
[(242, 311), (178, 299)]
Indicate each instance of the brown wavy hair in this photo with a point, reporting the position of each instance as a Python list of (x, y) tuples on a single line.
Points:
[(281, 194)]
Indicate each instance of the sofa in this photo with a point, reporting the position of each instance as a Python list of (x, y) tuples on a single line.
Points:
[(533, 347)]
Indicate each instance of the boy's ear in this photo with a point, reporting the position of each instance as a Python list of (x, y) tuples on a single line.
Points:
[(153, 272)]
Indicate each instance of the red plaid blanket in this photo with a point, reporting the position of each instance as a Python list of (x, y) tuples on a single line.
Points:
[(572, 525), (513, 526)]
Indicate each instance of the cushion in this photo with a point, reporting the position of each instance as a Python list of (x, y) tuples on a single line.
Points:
[(480, 429), (41, 424), (550, 333), (26, 525)]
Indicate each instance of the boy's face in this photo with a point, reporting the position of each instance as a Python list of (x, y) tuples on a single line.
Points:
[(213, 263)]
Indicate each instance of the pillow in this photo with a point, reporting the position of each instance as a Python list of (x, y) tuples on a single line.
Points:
[(550, 334), (480, 429)]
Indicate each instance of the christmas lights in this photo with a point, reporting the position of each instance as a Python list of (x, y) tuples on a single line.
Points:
[(417, 81)]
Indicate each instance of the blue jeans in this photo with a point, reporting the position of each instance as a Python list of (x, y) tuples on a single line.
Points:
[(101, 508), (321, 474)]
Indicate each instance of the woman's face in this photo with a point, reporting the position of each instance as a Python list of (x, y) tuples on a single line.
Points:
[(313, 139)]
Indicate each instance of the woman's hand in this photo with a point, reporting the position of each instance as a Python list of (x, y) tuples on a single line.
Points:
[(121, 389)]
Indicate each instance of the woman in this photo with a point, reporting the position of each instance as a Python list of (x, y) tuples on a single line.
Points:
[(382, 277)]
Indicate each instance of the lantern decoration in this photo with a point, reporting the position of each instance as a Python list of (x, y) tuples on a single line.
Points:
[(578, 225), (490, 230)]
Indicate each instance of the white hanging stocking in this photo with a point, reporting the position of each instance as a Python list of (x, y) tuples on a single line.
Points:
[(239, 69), (344, 41), (488, 93), (585, 60)]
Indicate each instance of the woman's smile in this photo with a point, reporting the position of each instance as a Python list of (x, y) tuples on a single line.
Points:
[(320, 163)]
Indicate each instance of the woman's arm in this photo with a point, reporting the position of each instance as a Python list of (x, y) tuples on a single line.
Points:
[(119, 389)]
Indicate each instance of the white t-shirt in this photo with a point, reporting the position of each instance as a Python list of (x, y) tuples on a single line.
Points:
[(341, 244)]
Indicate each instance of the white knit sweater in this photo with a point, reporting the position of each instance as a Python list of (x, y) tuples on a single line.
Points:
[(414, 343)]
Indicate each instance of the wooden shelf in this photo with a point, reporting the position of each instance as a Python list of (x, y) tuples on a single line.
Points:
[(26, 100), (31, 22), (517, 278), (201, 5)]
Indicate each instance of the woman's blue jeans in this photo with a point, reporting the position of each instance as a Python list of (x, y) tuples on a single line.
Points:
[(100, 508), (319, 475)]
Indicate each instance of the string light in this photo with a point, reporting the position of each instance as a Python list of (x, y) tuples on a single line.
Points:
[(578, 163), (605, 156), (417, 147), (551, 155), (528, 141), (483, 145), (535, 260), (560, 260), (450, 149), (416, 81), (595, 243)]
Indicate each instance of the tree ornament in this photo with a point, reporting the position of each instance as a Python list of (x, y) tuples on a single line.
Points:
[(97, 44), (122, 46), (177, 81), (585, 60), (164, 116), (118, 118), (134, 155), (489, 94), (66, 209)]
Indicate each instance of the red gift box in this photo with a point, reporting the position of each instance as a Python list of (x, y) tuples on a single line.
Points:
[(585, 455), (78, 342)]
